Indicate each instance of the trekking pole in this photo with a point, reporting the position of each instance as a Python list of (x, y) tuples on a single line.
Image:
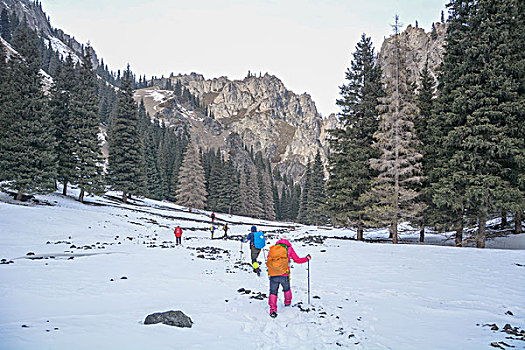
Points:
[(240, 256), (308, 282)]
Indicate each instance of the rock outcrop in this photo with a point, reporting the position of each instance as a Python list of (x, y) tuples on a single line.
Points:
[(32, 13), (170, 318), (258, 111), (418, 48)]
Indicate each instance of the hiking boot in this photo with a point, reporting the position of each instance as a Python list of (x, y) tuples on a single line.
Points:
[(273, 314)]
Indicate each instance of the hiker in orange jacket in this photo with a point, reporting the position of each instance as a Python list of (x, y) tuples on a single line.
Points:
[(279, 271), (178, 235)]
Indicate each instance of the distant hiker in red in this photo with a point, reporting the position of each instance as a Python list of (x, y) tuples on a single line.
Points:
[(178, 235), (278, 264), (212, 217)]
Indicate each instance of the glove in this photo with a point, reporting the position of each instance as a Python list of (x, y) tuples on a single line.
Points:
[(308, 257)]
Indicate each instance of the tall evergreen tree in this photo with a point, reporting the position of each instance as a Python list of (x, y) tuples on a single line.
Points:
[(60, 108), (27, 154), (191, 191), (254, 204), (269, 209), (317, 195), (5, 26), (303, 213), (5, 104), (88, 166), (392, 199), (125, 148), (244, 191), (351, 145), (425, 106), (276, 201), (477, 110), (153, 183), (232, 191), (295, 201), (284, 205), (162, 160)]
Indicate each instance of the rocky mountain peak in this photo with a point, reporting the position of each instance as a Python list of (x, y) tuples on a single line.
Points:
[(260, 110), (419, 47)]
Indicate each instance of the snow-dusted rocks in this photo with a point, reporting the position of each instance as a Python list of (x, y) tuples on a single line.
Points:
[(170, 318), (261, 111)]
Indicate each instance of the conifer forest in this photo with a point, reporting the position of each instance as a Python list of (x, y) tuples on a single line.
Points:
[(445, 154)]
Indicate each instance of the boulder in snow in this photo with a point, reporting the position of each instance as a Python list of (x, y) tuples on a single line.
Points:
[(171, 318)]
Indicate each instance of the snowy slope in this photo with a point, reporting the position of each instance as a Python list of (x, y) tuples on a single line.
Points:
[(63, 50), (364, 296)]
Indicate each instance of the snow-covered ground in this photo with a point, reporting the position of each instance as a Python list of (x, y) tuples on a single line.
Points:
[(72, 294)]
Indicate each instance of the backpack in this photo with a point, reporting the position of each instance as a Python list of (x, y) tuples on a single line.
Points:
[(277, 261), (258, 240)]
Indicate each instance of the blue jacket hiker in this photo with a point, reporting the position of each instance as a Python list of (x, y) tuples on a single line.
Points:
[(257, 242)]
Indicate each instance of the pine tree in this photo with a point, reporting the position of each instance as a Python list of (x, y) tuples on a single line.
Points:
[(392, 199), (244, 191), (162, 160), (27, 153), (86, 148), (317, 195), (283, 213), (254, 204), (60, 104), (4, 97), (232, 191), (276, 201), (295, 202), (125, 148), (351, 145), (153, 184), (269, 209), (303, 214), (425, 106), (477, 110), (5, 26), (191, 191)]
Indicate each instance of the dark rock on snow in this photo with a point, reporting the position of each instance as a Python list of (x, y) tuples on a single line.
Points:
[(170, 318)]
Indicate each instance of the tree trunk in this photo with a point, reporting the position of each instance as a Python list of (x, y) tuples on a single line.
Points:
[(64, 190), (517, 222), (503, 219), (19, 196), (124, 198), (394, 232), (81, 196), (482, 222), (360, 231), (459, 230), (422, 231)]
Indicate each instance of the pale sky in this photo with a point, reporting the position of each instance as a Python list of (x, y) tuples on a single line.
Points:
[(305, 43)]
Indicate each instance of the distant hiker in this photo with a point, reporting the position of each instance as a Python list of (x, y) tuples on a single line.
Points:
[(178, 235), (257, 242), (225, 228), (212, 217), (278, 263), (212, 229)]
